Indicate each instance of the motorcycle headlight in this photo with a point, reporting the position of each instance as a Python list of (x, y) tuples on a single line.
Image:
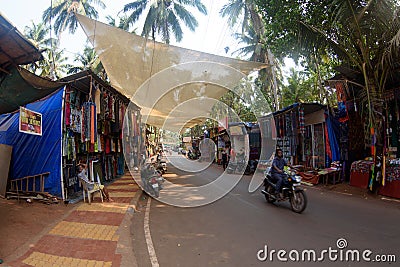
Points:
[(298, 178)]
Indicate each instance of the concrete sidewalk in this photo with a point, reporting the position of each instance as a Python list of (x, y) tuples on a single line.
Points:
[(90, 235)]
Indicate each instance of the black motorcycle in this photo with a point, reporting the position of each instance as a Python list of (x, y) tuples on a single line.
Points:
[(291, 190)]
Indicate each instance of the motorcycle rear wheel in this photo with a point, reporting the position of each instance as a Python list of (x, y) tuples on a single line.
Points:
[(269, 197), (298, 203)]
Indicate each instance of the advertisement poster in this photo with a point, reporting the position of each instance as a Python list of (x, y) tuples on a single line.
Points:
[(30, 122)]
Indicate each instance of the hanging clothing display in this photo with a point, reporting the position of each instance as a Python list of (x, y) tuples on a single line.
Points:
[(89, 122)]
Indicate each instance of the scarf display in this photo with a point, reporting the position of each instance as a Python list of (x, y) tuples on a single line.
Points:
[(89, 122)]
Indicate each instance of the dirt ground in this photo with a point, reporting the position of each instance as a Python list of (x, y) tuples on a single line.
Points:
[(23, 222)]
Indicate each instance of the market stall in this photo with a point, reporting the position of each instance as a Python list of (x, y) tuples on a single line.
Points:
[(303, 133), (98, 125), (82, 121)]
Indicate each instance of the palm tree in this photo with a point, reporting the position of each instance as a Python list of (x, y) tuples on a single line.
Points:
[(38, 34), (122, 23), (54, 65), (250, 42), (61, 14), (252, 24), (247, 10), (88, 61), (164, 17), (364, 35)]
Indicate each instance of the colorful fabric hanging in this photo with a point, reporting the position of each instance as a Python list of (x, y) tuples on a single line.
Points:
[(341, 97), (301, 120), (97, 94), (89, 122)]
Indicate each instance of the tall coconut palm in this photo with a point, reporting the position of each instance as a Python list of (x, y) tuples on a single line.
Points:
[(61, 14), (245, 12), (164, 17)]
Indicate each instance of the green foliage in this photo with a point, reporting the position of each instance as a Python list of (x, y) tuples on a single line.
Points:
[(61, 14), (164, 17)]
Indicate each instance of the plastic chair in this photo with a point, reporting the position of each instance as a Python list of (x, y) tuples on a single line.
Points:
[(96, 187), (90, 193)]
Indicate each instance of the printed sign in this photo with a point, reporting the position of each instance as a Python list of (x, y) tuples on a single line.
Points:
[(30, 122)]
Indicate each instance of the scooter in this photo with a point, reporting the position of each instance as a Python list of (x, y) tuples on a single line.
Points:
[(291, 190), (152, 180), (236, 167)]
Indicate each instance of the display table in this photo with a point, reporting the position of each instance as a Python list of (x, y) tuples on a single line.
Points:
[(392, 185), (360, 173), (327, 173)]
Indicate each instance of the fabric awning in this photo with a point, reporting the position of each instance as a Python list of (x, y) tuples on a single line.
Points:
[(164, 80), (21, 87)]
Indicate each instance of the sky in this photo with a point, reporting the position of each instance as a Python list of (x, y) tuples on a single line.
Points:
[(212, 35)]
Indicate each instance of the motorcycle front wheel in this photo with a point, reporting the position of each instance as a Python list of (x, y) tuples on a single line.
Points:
[(298, 201)]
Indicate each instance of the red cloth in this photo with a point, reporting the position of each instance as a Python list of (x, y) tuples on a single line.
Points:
[(359, 179), (391, 189)]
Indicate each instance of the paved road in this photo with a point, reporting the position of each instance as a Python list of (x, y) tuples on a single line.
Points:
[(233, 230)]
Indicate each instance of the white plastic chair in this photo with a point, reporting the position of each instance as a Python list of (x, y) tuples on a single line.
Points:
[(96, 187)]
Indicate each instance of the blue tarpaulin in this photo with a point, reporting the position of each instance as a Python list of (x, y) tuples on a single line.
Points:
[(333, 132), (33, 154)]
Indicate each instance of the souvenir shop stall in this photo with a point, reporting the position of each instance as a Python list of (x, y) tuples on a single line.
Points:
[(98, 124), (306, 135), (300, 133), (382, 173)]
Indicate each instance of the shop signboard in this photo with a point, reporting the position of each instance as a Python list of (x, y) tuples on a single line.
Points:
[(30, 122)]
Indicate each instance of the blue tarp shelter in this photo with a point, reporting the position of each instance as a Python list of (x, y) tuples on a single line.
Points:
[(33, 154)]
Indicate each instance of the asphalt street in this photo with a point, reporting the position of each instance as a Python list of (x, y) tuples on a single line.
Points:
[(242, 229)]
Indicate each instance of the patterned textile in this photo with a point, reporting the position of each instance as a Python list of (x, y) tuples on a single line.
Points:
[(301, 120), (392, 173), (361, 166), (341, 97)]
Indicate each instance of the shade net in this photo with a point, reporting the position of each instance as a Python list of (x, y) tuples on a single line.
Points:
[(159, 77)]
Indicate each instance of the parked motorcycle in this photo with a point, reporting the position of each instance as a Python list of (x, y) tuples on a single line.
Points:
[(193, 155), (236, 167), (291, 190), (251, 167), (152, 180)]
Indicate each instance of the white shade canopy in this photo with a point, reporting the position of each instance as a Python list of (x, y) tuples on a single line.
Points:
[(159, 78)]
